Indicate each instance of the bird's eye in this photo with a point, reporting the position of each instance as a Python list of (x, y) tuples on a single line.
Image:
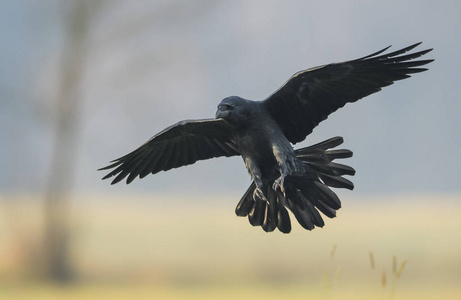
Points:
[(226, 106)]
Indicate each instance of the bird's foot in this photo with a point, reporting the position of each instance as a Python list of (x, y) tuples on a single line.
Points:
[(279, 183), (258, 193)]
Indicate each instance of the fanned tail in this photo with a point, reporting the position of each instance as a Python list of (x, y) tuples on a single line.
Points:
[(305, 196)]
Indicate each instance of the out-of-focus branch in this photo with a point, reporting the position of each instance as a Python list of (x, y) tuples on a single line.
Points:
[(57, 257)]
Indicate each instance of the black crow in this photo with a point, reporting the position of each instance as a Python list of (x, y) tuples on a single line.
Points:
[(262, 132)]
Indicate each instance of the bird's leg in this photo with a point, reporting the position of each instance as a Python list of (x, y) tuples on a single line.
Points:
[(258, 192), (284, 171), (279, 183), (286, 161), (256, 175)]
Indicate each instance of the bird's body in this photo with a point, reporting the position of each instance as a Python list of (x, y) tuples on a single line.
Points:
[(263, 132), (262, 145)]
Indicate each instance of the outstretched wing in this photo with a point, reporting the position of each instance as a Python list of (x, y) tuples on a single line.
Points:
[(309, 96), (181, 144)]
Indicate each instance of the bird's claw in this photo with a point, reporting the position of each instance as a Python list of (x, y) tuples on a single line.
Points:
[(258, 193), (279, 183)]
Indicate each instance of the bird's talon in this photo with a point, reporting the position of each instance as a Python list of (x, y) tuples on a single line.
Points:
[(279, 183), (258, 193)]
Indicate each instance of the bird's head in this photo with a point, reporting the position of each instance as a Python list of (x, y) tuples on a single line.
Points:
[(235, 110)]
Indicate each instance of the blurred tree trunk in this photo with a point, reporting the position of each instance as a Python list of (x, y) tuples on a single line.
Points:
[(58, 266)]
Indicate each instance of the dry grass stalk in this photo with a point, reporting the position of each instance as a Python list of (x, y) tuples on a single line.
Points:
[(333, 251), (394, 265), (400, 270), (372, 261), (383, 279)]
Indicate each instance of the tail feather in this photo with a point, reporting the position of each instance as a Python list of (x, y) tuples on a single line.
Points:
[(256, 215), (334, 154), (304, 196), (246, 203), (332, 169), (290, 190), (316, 217), (270, 217), (337, 181), (322, 146), (324, 209), (304, 219), (269, 223), (324, 193), (310, 209), (314, 158), (283, 218)]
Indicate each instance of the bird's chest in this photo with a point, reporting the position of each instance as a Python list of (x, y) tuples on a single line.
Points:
[(257, 143), (259, 149)]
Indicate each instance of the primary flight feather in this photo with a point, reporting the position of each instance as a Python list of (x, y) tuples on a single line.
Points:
[(262, 132)]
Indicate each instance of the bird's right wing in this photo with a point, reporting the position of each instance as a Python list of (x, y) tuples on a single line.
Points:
[(309, 96), (181, 144)]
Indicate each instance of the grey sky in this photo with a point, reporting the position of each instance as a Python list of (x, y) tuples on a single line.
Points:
[(153, 63)]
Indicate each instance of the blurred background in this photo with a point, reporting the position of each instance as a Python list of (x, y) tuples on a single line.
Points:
[(84, 82)]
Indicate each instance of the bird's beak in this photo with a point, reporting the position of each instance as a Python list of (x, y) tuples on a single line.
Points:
[(222, 112)]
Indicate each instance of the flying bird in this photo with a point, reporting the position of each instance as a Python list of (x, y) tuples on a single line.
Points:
[(263, 134)]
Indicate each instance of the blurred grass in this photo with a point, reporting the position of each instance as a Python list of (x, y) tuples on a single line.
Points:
[(267, 292), (164, 248)]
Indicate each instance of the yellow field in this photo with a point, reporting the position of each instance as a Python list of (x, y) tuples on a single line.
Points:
[(267, 291), (138, 248)]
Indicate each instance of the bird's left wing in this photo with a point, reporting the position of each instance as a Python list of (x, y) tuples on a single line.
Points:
[(309, 96), (181, 144)]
